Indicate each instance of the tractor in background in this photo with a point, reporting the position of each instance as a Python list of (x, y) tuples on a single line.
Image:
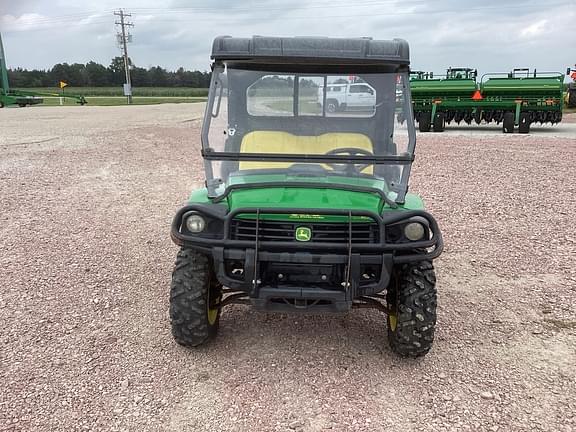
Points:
[(23, 98)]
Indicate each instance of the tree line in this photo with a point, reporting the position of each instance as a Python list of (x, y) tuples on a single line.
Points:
[(94, 74)]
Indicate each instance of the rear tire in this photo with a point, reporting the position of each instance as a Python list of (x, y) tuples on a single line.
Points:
[(412, 305), (439, 122), (572, 95), (331, 105), (424, 122), (524, 123), (508, 122), (195, 295)]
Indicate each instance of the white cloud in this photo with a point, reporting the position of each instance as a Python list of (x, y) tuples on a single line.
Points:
[(22, 22), (534, 30), (490, 35)]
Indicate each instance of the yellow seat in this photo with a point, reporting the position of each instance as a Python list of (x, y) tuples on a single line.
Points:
[(283, 142)]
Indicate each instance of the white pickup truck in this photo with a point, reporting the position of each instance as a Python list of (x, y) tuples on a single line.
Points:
[(349, 97)]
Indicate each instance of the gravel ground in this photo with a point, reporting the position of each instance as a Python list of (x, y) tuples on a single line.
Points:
[(85, 260)]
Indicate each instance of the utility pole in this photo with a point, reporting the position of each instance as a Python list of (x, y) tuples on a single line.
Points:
[(123, 38)]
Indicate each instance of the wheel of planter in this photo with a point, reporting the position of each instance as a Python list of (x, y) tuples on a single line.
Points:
[(424, 122), (508, 122), (439, 122), (572, 96), (524, 123)]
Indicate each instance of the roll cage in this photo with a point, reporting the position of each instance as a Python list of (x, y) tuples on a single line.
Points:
[(238, 62)]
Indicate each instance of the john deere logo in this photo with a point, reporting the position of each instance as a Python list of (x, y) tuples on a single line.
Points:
[(303, 234)]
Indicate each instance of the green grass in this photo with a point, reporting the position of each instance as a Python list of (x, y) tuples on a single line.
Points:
[(111, 101), (117, 91)]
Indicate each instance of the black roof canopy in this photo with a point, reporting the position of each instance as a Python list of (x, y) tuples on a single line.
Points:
[(318, 50)]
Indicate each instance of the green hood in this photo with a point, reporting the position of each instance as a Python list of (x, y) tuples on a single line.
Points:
[(305, 197), (308, 197)]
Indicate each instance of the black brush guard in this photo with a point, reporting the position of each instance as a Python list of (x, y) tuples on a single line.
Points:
[(256, 256)]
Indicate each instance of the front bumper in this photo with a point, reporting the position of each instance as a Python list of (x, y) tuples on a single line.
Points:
[(345, 265)]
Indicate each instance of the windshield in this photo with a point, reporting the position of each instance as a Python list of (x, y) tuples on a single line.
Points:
[(341, 128)]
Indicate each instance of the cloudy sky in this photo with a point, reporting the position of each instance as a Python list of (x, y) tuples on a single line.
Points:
[(491, 35)]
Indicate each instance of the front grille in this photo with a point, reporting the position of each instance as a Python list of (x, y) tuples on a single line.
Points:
[(362, 232)]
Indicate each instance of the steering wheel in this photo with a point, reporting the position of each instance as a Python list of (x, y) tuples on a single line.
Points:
[(350, 151)]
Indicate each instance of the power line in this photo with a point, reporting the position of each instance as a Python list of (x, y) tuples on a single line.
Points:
[(468, 11), (332, 5), (59, 19), (214, 13), (374, 13), (290, 8), (124, 37)]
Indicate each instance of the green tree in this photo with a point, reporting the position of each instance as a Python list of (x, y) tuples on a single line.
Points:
[(78, 75), (139, 77), (60, 72), (116, 71), (97, 75), (158, 77)]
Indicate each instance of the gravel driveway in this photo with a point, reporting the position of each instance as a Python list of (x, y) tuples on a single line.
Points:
[(87, 195)]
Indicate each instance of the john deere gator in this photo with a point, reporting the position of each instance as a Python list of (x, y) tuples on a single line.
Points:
[(306, 208)]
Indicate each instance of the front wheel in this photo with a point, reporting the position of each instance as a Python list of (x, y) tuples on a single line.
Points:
[(411, 302), (195, 295), (332, 105)]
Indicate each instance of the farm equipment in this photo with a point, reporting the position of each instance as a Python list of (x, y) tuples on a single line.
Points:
[(518, 98), (571, 93), (23, 98), (453, 90), (306, 208)]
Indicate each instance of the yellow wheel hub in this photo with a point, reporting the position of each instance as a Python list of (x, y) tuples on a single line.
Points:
[(392, 317), (212, 315), (212, 310), (392, 321)]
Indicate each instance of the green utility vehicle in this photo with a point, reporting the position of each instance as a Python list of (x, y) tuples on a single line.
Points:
[(306, 208)]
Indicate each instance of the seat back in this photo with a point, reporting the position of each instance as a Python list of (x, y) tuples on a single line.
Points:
[(283, 142)]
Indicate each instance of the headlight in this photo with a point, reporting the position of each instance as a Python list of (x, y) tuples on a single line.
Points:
[(414, 231), (195, 223)]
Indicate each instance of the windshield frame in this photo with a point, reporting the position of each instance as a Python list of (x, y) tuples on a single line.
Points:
[(213, 109)]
